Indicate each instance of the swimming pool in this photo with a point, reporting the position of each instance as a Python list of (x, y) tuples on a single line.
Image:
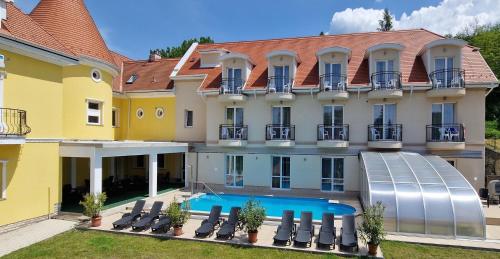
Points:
[(274, 205)]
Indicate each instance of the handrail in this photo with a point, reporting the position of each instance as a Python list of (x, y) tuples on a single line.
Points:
[(451, 132), (231, 86), (385, 132), (447, 78), (233, 131), (13, 122), (210, 189), (280, 132), (386, 80), (279, 84), (333, 132), (333, 82)]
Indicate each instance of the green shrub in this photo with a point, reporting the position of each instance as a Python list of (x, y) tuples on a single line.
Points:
[(93, 204), (372, 229), (252, 215)]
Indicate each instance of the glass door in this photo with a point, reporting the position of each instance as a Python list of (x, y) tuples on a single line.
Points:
[(234, 171), (281, 122), (443, 71), (384, 118), (333, 120), (332, 74), (234, 120), (281, 77), (281, 172), (443, 116), (384, 75), (332, 174), (233, 79)]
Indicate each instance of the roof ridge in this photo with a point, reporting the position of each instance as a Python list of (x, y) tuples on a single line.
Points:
[(146, 60), (315, 36)]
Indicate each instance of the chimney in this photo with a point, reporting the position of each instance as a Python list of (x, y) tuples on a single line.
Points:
[(3, 10), (153, 56)]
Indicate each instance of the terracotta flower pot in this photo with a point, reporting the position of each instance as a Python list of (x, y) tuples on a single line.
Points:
[(95, 221), (372, 249), (178, 231), (252, 236)]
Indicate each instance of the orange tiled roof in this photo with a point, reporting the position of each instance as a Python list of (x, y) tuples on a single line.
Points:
[(118, 60), (411, 65), (20, 26), (70, 23), (151, 75)]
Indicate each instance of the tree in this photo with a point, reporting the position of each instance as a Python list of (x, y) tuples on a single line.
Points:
[(321, 33), (385, 24), (178, 51)]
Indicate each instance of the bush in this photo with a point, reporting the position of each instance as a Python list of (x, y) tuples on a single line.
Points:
[(252, 215), (372, 229), (93, 204), (492, 129), (178, 215)]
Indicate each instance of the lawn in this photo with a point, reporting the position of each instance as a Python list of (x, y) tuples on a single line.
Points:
[(93, 244)]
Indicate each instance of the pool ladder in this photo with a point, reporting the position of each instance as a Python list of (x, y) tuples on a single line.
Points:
[(206, 186)]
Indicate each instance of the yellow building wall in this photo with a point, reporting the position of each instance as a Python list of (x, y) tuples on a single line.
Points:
[(33, 186), (78, 88), (35, 86), (121, 104)]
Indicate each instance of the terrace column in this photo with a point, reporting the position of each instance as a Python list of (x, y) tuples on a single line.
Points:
[(153, 174), (73, 172), (95, 174), (187, 171)]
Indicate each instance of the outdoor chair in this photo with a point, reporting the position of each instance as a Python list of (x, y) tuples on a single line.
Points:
[(163, 225), (348, 234), (229, 226), (285, 230), (375, 134), (305, 231), (284, 133), (207, 226), (129, 218), (272, 133), (326, 236), (148, 219)]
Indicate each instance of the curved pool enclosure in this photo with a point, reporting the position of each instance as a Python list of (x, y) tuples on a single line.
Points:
[(422, 195)]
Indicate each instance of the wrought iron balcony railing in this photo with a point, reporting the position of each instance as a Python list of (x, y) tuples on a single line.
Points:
[(280, 132), (385, 132), (279, 84), (447, 78), (445, 133), (386, 80), (332, 82), (233, 132), (333, 132), (13, 122), (231, 86)]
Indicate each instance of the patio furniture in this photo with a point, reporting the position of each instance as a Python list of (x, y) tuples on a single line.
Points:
[(228, 227), (436, 82), (494, 189), (341, 135), (284, 133), (484, 195), (148, 219), (375, 134), (208, 225), (324, 133), (348, 234), (305, 231), (453, 134), (392, 83), (455, 82), (272, 133), (285, 230), (326, 236), (129, 218), (272, 87), (444, 134), (328, 87), (225, 133), (163, 225), (376, 85)]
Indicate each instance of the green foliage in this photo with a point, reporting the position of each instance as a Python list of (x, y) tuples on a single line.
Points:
[(92, 204), (372, 229), (178, 51), (492, 129), (385, 24), (252, 215), (178, 215)]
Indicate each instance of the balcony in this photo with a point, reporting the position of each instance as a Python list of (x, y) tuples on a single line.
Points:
[(231, 135), (447, 83), (333, 136), (278, 135), (230, 90), (445, 137), (333, 87), (385, 136), (279, 89), (13, 126), (386, 84)]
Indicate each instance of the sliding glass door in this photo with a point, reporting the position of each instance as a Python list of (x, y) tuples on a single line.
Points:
[(332, 174), (280, 172), (234, 171)]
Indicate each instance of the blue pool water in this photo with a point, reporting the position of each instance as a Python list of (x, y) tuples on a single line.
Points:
[(274, 205)]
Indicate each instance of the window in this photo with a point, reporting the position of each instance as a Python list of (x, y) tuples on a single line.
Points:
[(115, 117), (444, 70), (94, 112), (384, 119), (96, 75), (234, 78), (332, 74), (139, 113), (234, 171), (332, 174), (281, 172), (188, 119), (383, 68), (159, 112), (139, 162), (333, 120), (443, 113), (131, 79), (281, 115), (3, 181), (282, 77), (161, 161)]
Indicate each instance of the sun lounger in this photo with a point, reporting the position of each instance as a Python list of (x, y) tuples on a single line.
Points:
[(305, 231), (348, 234), (163, 225), (228, 228), (129, 218), (326, 237), (285, 230), (148, 219), (208, 225)]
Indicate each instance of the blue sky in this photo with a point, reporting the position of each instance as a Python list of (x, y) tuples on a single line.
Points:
[(132, 28)]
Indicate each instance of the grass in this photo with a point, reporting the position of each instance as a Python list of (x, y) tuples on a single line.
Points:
[(94, 244)]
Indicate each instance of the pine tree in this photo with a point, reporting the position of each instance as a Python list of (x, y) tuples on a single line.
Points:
[(385, 24), (178, 51)]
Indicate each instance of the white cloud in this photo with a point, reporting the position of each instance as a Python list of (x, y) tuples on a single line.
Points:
[(449, 16)]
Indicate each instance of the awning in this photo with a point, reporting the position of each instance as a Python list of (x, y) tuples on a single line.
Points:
[(422, 195)]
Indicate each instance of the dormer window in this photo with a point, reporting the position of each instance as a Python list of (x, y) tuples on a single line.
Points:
[(280, 82), (282, 65), (131, 79), (210, 57), (442, 59), (333, 67), (384, 66), (236, 68)]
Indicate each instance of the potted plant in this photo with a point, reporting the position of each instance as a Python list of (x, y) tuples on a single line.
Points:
[(92, 205), (372, 229), (252, 216), (178, 215)]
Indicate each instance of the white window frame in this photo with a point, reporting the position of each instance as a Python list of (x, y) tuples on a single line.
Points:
[(186, 111), (157, 109), (446, 79), (333, 113), (332, 178), (442, 111), (281, 177), (95, 70), (116, 112), (227, 172), (4, 181), (281, 107), (137, 113), (95, 113)]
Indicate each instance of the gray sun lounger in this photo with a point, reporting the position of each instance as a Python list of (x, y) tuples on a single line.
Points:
[(148, 219), (163, 225), (208, 225), (285, 230), (228, 227), (305, 231), (326, 237), (348, 234), (129, 218)]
